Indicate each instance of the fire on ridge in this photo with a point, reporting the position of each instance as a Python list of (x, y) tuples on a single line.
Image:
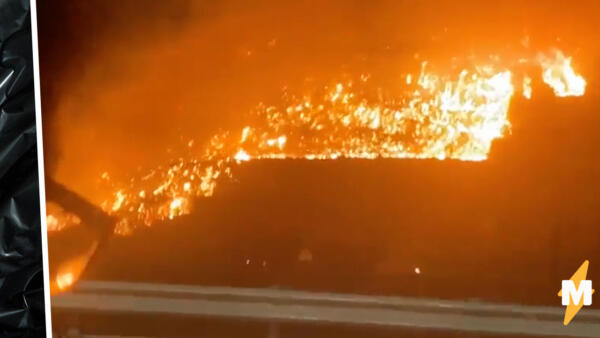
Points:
[(437, 116)]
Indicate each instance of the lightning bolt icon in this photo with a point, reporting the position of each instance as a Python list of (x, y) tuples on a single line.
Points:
[(577, 277)]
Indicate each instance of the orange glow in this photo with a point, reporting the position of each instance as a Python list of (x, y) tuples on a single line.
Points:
[(455, 115), (69, 271), (372, 131), (58, 219), (64, 280), (437, 116), (440, 118), (53, 223), (559, 74), (176, 207), (241, 156), (527, 87)]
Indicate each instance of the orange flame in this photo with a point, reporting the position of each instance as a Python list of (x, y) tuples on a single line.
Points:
[(437, 116), (559, 74), (69, 271), (58, 219)]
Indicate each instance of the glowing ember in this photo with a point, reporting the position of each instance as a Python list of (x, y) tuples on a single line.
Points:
[(58, 219), (53, 223), (176, 207), (442, 118), (241, 156), (65, 280), (120, 197), (527, 87), (69, 271), (558, 74)]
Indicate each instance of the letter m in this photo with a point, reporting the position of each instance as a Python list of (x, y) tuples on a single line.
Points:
[(570, 292)]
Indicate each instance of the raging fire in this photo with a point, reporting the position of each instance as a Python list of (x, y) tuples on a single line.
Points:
[(436, 115)]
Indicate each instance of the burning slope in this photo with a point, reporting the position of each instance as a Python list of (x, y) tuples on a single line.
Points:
[(437, 116)]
